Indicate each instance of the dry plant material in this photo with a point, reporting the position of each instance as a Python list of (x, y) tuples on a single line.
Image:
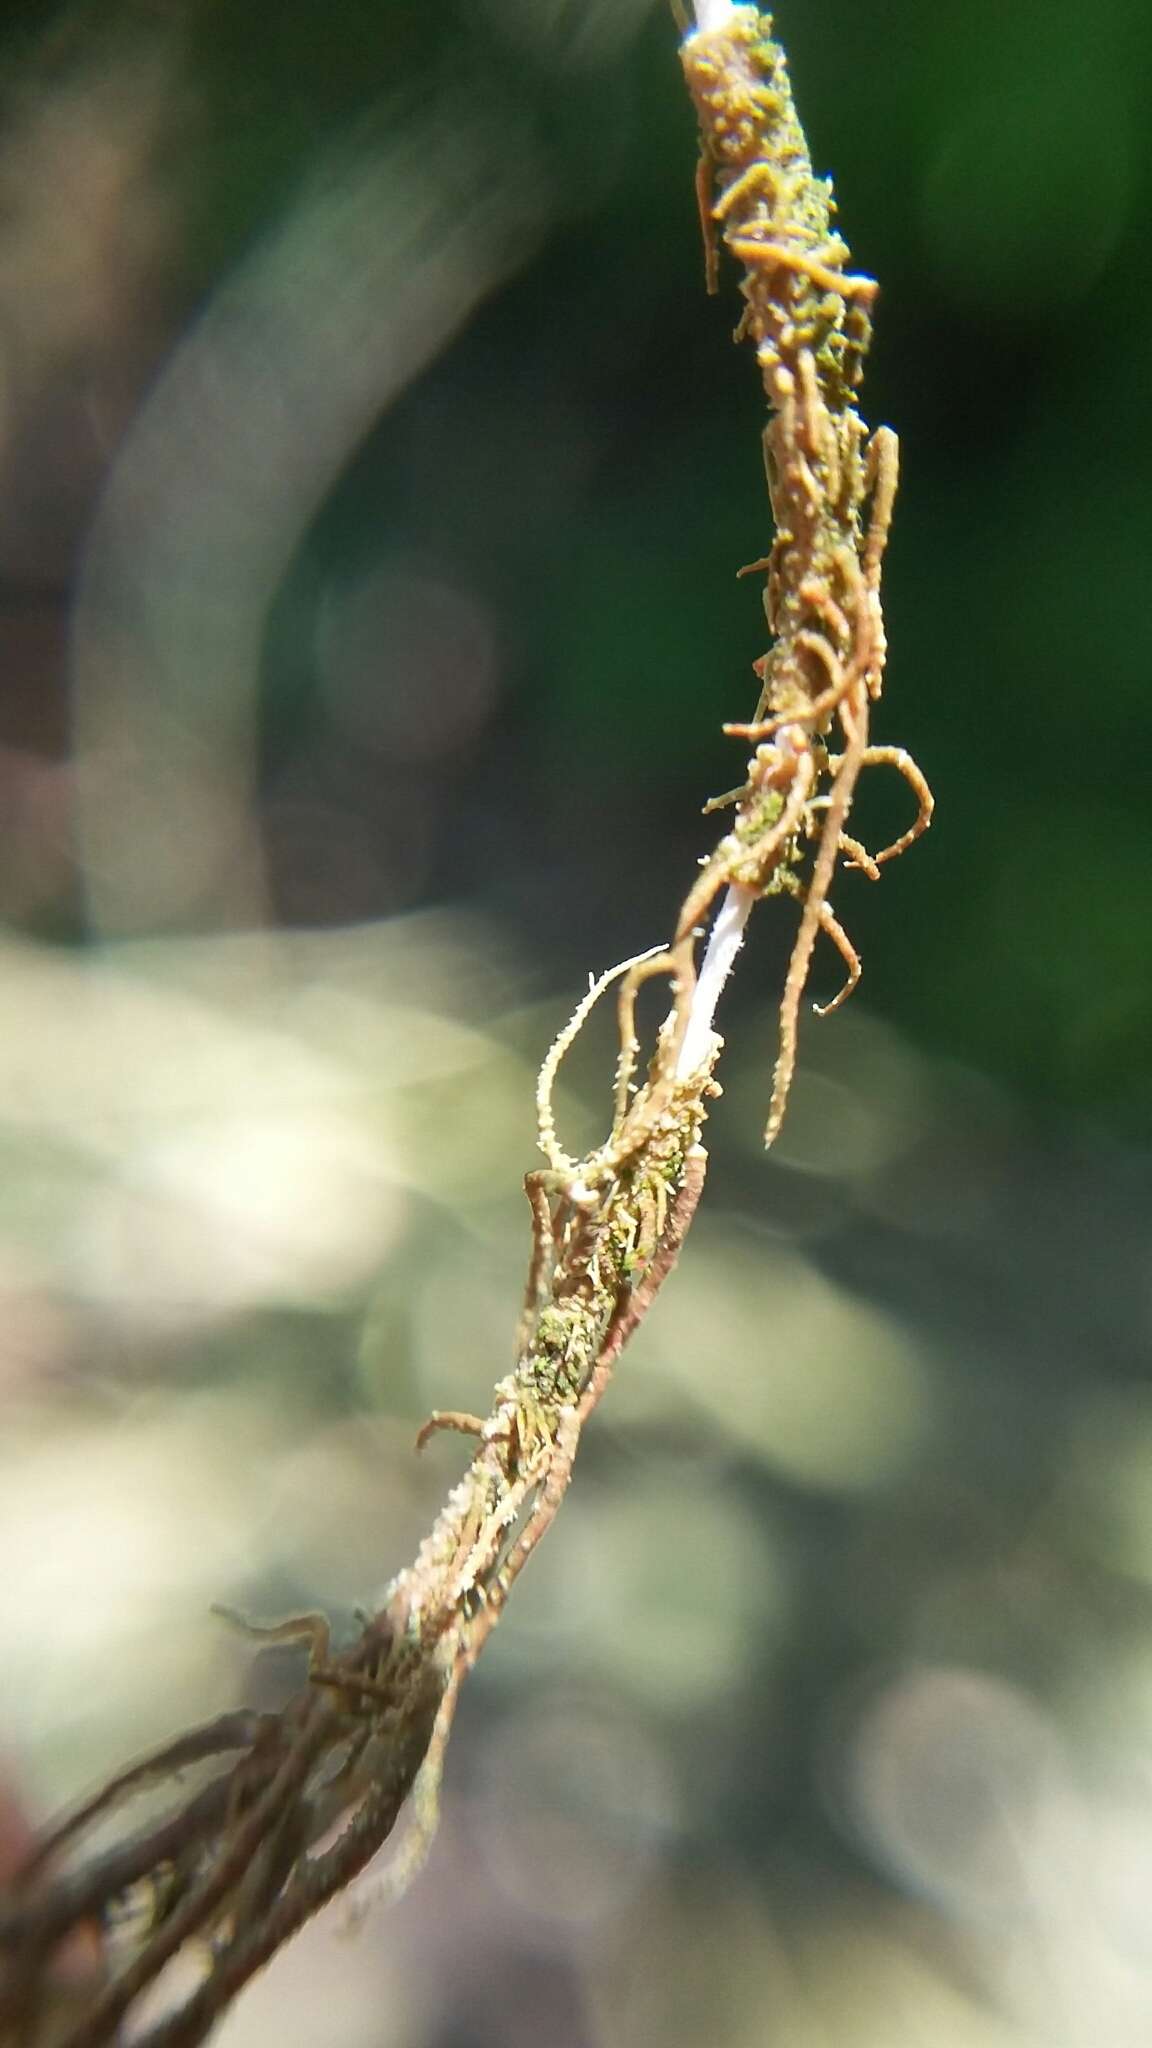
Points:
[(262, 1818), (832, 488)]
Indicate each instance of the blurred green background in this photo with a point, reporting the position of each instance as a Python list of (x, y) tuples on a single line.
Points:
[(374, 476)]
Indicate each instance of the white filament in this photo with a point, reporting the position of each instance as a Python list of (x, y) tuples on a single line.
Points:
[(712, 14), (724, 942)]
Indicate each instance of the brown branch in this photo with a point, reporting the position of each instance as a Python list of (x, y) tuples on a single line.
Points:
[(244, 1860), (229, 1870)]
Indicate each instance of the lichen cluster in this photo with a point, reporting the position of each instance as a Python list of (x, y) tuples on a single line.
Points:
[(308, 1794), (831, 486)]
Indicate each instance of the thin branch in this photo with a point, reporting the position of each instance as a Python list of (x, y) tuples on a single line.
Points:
[(228, 1871)]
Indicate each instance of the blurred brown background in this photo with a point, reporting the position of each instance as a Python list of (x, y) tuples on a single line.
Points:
[(373, 475)]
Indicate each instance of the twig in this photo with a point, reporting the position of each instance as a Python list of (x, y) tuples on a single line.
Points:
[(230, 1870)]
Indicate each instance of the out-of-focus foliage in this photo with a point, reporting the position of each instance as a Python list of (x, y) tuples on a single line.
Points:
[(373, 476)]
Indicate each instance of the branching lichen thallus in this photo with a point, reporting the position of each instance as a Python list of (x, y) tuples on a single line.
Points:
[(315, 1788), (832, 488), (608, 1228)]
